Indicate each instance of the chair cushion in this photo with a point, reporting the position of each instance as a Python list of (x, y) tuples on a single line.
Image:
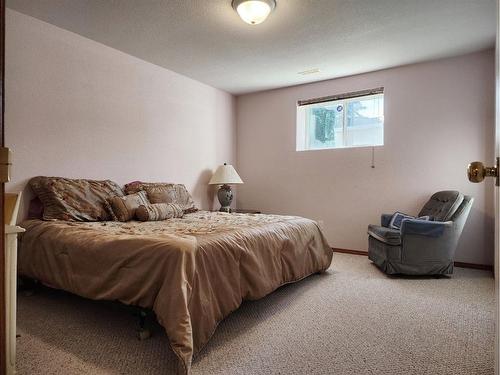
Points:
[(442, 205), (386, 235)]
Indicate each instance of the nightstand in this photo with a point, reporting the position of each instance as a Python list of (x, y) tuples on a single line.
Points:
[(241, 211)]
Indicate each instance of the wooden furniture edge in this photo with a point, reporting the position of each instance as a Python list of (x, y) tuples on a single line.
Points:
[(484, 267), (3, 294)]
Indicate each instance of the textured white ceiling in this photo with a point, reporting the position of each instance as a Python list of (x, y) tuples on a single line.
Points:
[(207, 41)]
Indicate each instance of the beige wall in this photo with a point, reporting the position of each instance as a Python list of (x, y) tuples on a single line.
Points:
[(439, 116), (77, 108)]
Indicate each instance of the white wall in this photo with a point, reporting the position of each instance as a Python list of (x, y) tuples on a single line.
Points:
[(77, 108), (439, 116)]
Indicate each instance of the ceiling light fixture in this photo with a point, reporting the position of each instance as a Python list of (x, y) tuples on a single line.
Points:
[(253, 12)]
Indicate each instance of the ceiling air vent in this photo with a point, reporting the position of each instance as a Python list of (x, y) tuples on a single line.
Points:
[(310, 71)]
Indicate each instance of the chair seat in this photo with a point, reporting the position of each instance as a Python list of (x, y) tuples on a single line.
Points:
[(386, 235)]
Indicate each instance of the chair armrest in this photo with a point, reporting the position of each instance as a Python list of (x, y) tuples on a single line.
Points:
[(385, 219), (415, 227), (428, 241)]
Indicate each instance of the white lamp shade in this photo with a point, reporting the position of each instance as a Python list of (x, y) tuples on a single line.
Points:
[(225, 174)]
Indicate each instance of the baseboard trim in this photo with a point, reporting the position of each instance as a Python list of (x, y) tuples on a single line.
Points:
[(349, 251), (475, 266)]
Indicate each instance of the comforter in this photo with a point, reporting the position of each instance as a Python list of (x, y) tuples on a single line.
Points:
[(192, 271)]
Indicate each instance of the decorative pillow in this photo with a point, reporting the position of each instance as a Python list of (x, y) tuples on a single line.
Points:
[(35, 210), (109, 208), (164, 193), (125, 207), (75, 199), (159, 211), (398, 217)]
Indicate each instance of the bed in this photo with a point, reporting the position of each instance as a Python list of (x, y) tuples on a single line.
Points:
[(191, 271)]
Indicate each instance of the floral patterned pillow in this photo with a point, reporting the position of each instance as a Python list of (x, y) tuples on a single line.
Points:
[(75, 199)]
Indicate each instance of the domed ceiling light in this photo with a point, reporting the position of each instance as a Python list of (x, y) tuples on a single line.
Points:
[(254, 12)]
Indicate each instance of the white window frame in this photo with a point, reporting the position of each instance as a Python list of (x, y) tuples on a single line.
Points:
[(303, 122)]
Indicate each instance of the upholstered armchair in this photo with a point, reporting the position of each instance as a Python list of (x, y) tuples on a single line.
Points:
[(421, 247)]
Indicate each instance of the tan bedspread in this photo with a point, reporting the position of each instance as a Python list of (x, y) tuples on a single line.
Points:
[(192, 272)]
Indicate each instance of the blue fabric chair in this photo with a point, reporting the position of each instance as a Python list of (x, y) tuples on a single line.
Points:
[(421, 247)]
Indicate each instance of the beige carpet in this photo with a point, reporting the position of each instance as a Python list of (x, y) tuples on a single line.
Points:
[(351, 320)]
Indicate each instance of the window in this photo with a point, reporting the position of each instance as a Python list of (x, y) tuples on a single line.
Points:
[(349, 120)]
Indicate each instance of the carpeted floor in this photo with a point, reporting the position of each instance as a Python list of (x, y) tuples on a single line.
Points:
[(350, 320)]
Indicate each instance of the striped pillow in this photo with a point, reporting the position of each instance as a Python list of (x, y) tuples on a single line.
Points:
[(159, 211)]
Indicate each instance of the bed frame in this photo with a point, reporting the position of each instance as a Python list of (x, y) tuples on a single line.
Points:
[(144, 317)]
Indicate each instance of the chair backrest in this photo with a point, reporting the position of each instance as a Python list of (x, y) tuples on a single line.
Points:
[(442, 205), (462, 212)]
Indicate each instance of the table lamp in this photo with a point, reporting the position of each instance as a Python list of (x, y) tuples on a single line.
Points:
[(224, 176)]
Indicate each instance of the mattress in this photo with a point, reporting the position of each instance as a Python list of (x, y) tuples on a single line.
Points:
[(192, 271)]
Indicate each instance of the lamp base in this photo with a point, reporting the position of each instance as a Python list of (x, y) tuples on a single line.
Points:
[(225, 196)]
